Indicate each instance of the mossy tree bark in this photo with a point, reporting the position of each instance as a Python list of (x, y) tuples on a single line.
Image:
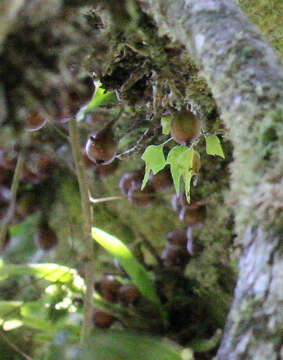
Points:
[(246, 81)]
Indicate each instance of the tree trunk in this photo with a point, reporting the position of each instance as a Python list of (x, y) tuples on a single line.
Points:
[(246, 81)]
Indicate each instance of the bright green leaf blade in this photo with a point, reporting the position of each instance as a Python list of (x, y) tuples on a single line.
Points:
[(10, 310), (134, 269), (100, 97), (185, 163), (213, 146), (187, 179), (50, 272), (118, 345), (166, 125), (175, 169), (154, 160)]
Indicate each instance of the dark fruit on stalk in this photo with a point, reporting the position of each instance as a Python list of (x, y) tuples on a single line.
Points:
[(45, 238), (128, 180), (192, 215), (108, 288), (178, 238), (101, 148), (141, 198), (35, 121), (102, 319), (174, 257), (129, 295), (162, 180), (185, 127)]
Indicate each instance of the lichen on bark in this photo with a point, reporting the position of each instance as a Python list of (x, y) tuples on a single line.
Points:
[(235, 60)]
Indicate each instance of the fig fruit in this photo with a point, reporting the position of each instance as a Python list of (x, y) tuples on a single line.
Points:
[(178, 238), (129, 180), (141, 198), (185, 127), (35, 121), (192, 215), (101, 148), (162, 180), (108, 288), (102, 319), (45, 238), (175, 257), (129, 295)]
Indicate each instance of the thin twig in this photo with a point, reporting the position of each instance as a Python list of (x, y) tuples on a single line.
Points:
[(139, 145), (88, 251), (13, 346), (59, 131), (11, 209), (105, 199)]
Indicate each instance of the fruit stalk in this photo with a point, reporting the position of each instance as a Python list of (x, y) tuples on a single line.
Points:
[(88, 251), (14, 189)]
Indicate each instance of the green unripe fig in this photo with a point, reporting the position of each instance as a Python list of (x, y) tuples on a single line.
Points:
[(185, 127)]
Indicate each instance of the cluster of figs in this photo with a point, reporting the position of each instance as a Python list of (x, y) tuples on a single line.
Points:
[(101, 147), (118, 290)]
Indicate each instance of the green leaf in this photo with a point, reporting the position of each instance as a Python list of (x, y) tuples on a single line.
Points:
[(117, 345), (154, 160), (175, 169), (100, 97), (166, 125), (213, 146), (184, 162), (133, 268), (9, 310), (50, 272)]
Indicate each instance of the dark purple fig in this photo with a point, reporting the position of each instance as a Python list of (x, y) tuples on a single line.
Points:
[(108, 288), (128, 180), (175, 257), (162, 180), (193, 214), (141, 198), (129, 295), (35, 121), (101, 148), (102, 319), (45, 238), (178, 238)]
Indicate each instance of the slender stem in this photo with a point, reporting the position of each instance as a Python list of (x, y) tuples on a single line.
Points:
[(13, 346), (14, 190), (88, 251)]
